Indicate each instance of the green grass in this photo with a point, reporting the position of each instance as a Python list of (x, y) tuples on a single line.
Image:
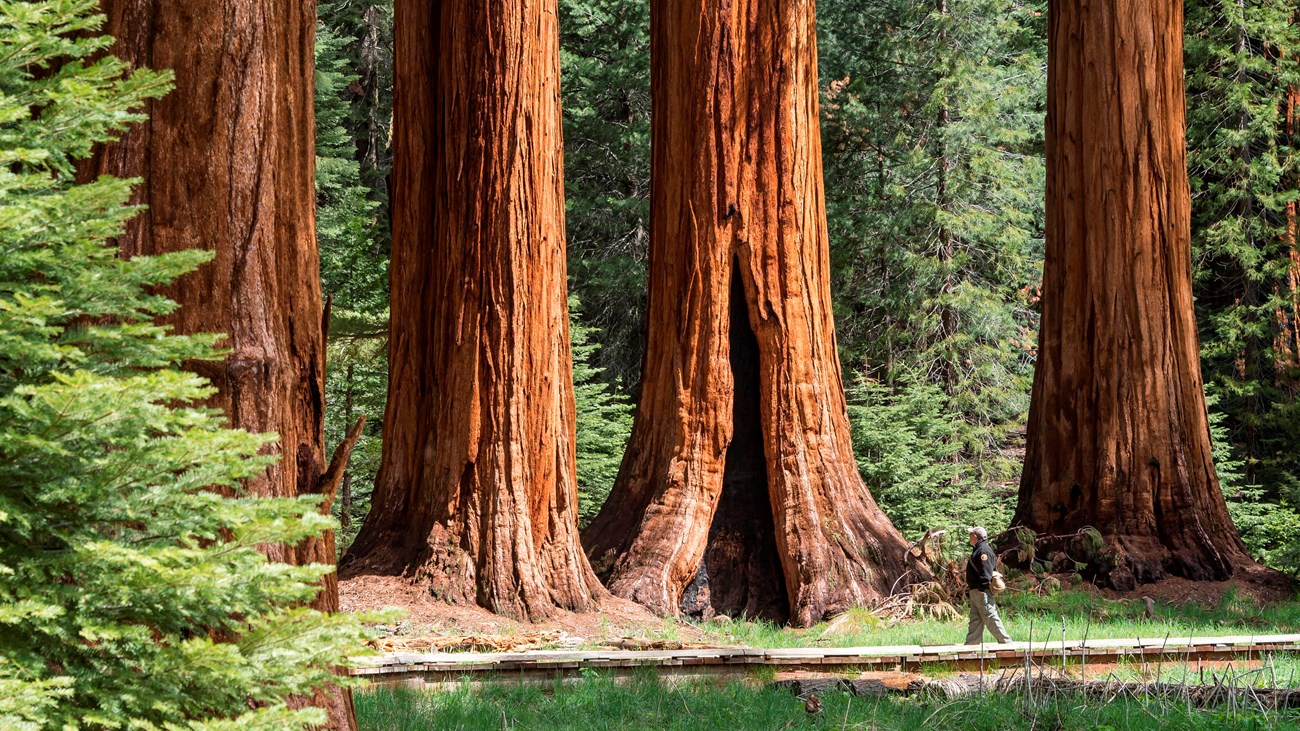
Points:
[(1079, 612), (1075, 612), (596, 704), (1277, 670)]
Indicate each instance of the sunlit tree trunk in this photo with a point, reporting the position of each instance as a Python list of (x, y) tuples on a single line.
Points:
[(227, 161), (477, 491), (1118, 436), (739, 488)]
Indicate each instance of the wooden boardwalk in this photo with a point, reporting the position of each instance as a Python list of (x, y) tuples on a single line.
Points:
[(547, 665)]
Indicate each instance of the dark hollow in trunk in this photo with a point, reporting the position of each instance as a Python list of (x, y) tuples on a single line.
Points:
[(741, 381), (741, 575)]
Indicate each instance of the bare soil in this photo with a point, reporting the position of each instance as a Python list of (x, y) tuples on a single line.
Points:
[(428, 622), (1263, 586), (431, 624)]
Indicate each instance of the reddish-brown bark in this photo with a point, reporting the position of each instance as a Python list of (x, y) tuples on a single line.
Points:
[(739, 484), (1287, 345), (227, 161), (1118, 435), (477, 494)]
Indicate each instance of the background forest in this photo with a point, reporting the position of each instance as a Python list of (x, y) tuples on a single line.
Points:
[(932, 125)]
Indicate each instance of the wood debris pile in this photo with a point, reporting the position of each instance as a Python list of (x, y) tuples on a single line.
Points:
[(476, 643), (927, 600)]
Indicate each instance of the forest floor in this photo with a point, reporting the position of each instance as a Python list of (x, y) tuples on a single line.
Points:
[(1178, 608), (647, 704), (428, 621)]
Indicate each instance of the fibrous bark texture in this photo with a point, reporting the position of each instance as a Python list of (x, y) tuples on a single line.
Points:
[(477, 492), (227, 161), (1287, 344), (1118, 433), (739, 485)]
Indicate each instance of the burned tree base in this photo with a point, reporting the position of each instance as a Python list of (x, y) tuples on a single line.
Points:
[(741, 574), (739, 578)]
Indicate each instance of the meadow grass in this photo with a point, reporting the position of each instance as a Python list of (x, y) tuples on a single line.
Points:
[(1276, 670), (597, 703), (1073, 614)]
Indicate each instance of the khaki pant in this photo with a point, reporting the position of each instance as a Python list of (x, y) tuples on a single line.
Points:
[(984, 613)]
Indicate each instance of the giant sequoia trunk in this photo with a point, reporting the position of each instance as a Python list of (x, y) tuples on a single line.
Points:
[(739, 487), (227, 161), (477, 493), (1118, 434)]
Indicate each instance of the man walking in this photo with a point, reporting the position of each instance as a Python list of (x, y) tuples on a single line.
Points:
[(979, 573)]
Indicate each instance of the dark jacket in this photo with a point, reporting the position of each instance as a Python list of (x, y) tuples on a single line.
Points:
[(979, 568)]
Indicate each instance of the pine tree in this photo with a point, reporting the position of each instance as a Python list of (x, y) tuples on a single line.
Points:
[(604, 420), (132, 594), (352, 235), (935, 175), (1242, 163), (605, 60)]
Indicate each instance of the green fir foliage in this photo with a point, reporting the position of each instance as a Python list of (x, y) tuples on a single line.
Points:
[(906, 454), (352, 232), (932, 127), (132, 594), (356, 384), (1243, 166), (359, 35), (605, 60), (354, 267), (1270, 528), (604, 421)]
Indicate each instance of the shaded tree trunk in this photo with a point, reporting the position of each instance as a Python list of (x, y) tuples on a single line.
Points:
[(947, 241), (227, 161), (477, 491), (345, 491), (1287, 345), (739, 485), (1118, 434)]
